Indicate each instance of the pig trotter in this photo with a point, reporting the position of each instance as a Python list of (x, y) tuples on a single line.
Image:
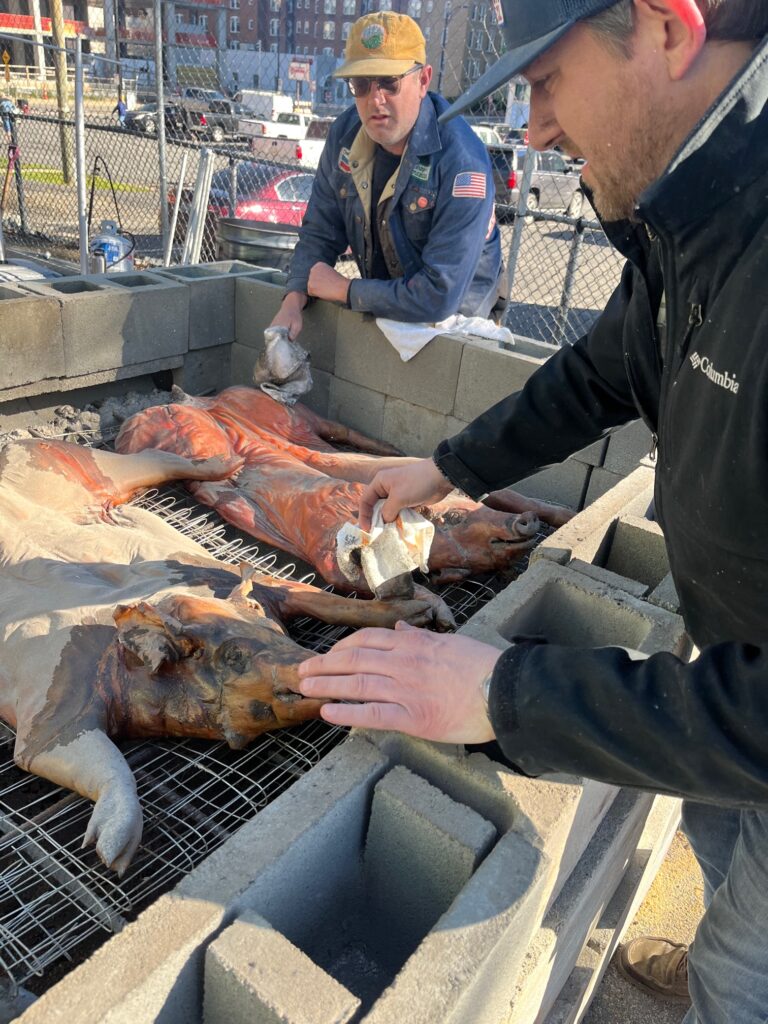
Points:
[(115, 826)]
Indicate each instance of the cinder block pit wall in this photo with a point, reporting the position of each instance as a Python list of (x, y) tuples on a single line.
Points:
[(518, 922)]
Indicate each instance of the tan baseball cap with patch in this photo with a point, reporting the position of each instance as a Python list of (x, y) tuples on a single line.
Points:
[(383, 44)]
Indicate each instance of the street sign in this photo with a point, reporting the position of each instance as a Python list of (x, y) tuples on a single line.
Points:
[(6, 58), (299, 71)]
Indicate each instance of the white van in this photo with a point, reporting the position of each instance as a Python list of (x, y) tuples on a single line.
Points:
[(263, 104)]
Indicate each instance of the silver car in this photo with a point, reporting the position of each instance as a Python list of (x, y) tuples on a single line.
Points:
[(555, 185)]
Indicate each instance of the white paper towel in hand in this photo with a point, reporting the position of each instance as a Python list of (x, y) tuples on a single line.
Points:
[(389, 550), (409, 339)]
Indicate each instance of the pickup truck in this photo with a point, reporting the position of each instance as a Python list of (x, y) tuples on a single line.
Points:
[(304, 152), (284, 126)]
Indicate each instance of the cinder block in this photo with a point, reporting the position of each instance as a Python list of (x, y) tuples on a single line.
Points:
[(488, 374), (600, 482), (318, 398), (635, 548), (242, 360), (562, 484), (420, 851), (568, 608), (256, 303), (109, 323), (558, 818), (254, 975), (627, 447), (414, 429), (575, 995), (665, 594), (461, 972), (593, 454), (613, 579), (211, 299), (365, 357), (150, 971), (530, 347), (583, 535), (205, 370), (357, 407), (553, 951), (31, 337)]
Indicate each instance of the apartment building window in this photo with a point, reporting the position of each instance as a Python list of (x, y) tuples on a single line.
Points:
[(329, 30), (345, 29), (234, 24), (426, 31), (202, 21), (306, 28), (349, 6), (414, 8), (179, 18), (330, 6), (233, 44), (385, 5), (234, 4), (251, 23), (273, 47), (274, 5), (274, 26)]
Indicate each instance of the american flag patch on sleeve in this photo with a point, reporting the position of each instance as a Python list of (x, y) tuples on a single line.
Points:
[(469, 185)]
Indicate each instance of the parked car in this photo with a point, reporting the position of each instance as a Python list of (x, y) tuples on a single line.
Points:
[(199, 95), (304, 152), (554, 184), (144, 119), (222, 119), (486, 134), (270, 193)]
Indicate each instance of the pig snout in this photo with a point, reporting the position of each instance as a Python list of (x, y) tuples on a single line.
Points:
[(525, 525)]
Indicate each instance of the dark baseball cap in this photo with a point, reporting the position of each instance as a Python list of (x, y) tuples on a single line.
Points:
[(530, 27)]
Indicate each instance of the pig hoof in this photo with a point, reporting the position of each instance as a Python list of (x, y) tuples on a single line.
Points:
[(115, 827)]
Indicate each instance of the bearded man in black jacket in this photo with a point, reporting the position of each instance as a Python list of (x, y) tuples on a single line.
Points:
[(667, 100)]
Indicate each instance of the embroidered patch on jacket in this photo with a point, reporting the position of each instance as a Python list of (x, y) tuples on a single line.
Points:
[(344, 161), (372, 37), (420, 172), (469, 185)]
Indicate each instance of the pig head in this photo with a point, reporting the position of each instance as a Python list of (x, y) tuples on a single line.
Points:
[(206, 668), (477, 540)]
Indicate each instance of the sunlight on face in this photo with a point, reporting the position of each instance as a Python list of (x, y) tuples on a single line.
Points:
[(389, 120)]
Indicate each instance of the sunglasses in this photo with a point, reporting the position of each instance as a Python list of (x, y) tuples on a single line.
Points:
[(390, 84)]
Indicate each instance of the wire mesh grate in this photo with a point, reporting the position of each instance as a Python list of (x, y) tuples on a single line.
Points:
[(57, 901)]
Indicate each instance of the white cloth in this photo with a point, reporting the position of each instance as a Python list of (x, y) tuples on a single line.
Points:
[(389, 550), (409, 339)]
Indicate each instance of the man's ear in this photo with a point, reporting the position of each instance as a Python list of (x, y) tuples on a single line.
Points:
[(425, 77), (678, 29), (153, 637)]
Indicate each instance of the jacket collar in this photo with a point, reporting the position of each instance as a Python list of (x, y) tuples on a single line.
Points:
[(724, 154)]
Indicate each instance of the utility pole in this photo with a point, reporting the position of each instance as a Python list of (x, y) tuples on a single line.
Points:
[(60, 64)]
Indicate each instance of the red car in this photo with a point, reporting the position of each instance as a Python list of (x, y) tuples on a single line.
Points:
[(272, 193)]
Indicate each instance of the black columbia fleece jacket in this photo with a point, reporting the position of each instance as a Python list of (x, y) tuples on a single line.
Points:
[(698, 730)]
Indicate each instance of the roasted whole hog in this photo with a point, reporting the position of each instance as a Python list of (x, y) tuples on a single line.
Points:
[(114, 625), (296, 491)]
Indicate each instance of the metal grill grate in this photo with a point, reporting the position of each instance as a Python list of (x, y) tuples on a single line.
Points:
[(58, 902)]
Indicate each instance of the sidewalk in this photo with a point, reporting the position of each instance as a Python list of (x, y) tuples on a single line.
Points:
[(671, 909)]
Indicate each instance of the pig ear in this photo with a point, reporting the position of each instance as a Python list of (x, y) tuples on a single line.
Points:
[(241, 595), (152, 636)]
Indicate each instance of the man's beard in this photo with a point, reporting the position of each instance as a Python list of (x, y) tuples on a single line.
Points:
[(627, 169)]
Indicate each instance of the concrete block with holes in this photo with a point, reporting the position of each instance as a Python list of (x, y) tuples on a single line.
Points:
[(212, 298), (118, 320), (31, 338)]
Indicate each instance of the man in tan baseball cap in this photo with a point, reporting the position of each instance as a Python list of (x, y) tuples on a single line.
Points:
[(398, 190)]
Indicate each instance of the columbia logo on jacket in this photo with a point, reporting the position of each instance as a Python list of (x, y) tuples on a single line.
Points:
[(720, 377)]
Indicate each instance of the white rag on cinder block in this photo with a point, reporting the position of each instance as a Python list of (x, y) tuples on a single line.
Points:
[(409, 339), (388, 550)]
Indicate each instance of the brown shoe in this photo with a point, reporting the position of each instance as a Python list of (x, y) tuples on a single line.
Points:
[(656, 966)]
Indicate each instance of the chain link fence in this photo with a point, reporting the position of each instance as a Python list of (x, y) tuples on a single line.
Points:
[(235, 77)]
